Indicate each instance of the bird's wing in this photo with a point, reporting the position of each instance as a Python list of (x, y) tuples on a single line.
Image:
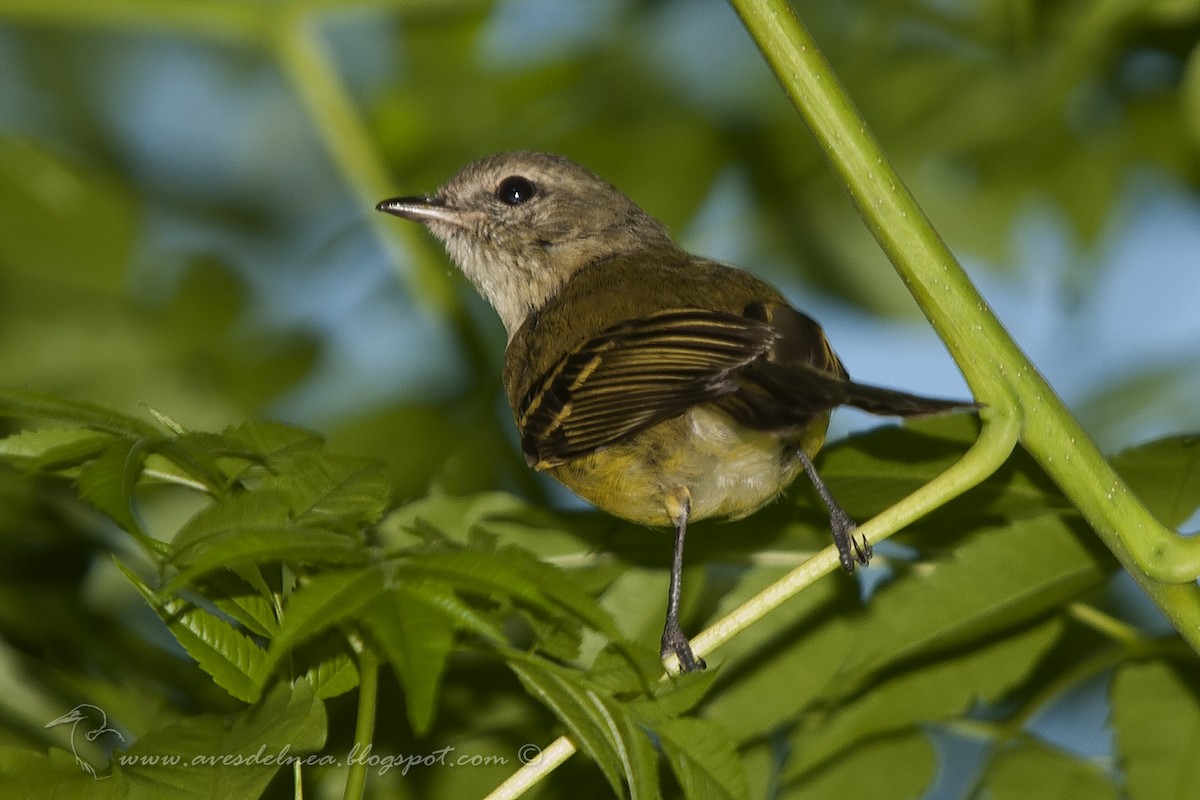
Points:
[(633, 375), (800, 378)]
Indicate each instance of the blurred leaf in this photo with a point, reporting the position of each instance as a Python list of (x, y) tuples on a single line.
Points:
[(1001, 577), (703, 758), (943, 689), (107, 481), (1156, 721), (258, 544), (1165, 475), (232, 758), (54, 448), (1032, 771), (28, 405), (891, 767), (25, 775), (67, 215)]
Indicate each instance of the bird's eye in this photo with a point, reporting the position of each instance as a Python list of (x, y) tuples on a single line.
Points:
[(515, 190)]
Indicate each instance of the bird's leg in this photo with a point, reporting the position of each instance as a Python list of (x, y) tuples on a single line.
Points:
[(673, 640), (849, 547)]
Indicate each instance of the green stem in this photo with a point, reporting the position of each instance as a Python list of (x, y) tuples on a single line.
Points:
[(992, 448), (364, 728), (523, 779), (997, 371)]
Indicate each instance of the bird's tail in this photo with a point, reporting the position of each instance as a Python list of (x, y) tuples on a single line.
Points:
[(889, 402)]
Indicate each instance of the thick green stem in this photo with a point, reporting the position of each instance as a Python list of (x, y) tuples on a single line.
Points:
[(997, 371), (364, 728)]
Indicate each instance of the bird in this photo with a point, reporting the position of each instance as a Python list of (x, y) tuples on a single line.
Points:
[(661, 386)]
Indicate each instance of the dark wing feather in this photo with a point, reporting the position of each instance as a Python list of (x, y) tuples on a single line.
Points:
[(633, 375)]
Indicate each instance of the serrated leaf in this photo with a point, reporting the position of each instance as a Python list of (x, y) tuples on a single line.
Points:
[(602, 727), (29, 405), (54, 448), (252, 545), (207, 757), (324, 489), (229, 515), (1156, 721), (233, 660), (417, 637), (1027, 770), (250, 607), (703, 758), (331, 666), (935, 692), (274, 441), (512, 572), (324, 600), (900, 766)]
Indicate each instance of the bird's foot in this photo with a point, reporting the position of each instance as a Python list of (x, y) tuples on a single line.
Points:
[(673, 641), (851, 549)]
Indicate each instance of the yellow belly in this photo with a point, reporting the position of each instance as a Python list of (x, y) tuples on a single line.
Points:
[(725, 470)]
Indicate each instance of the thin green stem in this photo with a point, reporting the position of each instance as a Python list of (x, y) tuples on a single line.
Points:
[(995, 443), (364, 727), (523, 779), (997, 371)]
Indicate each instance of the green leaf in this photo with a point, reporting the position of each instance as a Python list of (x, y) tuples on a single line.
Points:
[(229, 515), (1165, 475), (1156, 721), (26, 775), (703, 758), (253, 545), (276, 442), (778, 671), (324, 600), (941, 690), (107, 482), (602, 727), (513, 572), (250, 607), (417, 635), (1000, 577), (217, 758), (28, 405), (900, 766), (54, 448), (1029, 770), (332, 668), (234, 661), (326, 489)]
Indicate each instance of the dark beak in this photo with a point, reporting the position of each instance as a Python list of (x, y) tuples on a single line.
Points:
[(419, 209)]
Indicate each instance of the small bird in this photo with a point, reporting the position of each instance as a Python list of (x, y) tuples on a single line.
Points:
[(659, 385)]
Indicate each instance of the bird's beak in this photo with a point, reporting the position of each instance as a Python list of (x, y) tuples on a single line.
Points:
[(420, 209)]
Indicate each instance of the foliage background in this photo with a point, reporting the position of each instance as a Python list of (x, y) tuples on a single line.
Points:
[(187, 226)]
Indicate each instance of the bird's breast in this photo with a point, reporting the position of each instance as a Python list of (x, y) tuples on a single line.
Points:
[(727, 470)]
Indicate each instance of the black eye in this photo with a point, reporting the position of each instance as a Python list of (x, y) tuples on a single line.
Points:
[(515, 190)]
